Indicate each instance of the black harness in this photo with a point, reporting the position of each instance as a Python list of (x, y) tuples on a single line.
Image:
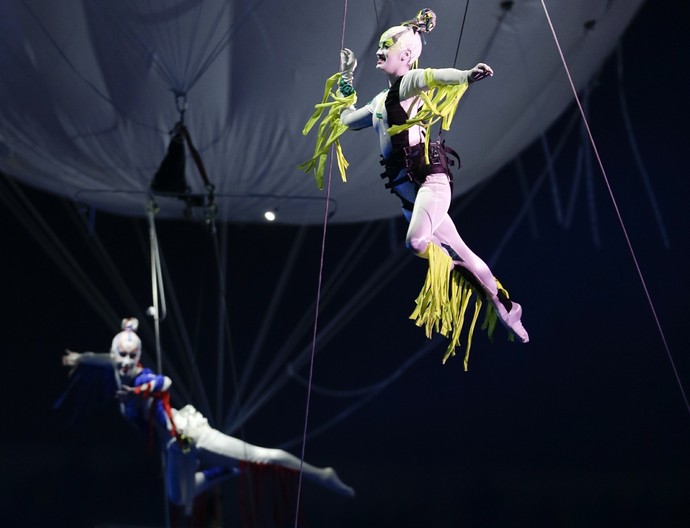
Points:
[(412, 158), (439, 161)]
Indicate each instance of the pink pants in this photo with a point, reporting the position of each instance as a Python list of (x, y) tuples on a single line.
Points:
[(430, 222)]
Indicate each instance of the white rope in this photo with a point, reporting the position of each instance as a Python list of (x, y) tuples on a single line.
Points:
[(158, 309), (158, 297), (618, 213)]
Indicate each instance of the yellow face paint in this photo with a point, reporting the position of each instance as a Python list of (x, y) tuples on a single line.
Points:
[(385, 44), (391, 37)]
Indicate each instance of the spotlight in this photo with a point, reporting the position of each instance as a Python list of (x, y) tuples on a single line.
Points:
[(270, 216)]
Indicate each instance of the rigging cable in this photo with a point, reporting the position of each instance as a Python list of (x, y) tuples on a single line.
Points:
[(158, 310), (224, 324), (366, 393), (617, 211), (636, 151), (462, 29), (318, 296), (16, 201), (158, 299), (270, 382), (220, 259), (122, 287), (529, 197), (235, 414)]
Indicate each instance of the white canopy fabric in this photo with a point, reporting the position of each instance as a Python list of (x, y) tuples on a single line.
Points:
[(90, 90)]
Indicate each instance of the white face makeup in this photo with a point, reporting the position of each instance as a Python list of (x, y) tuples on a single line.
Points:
[(390, 61), (126, 349), (399, 48), (390, 49)]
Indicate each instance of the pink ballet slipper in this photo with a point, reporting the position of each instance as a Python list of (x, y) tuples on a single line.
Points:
[(511, 317)]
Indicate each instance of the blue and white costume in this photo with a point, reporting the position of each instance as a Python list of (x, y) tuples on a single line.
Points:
[(196, 453)]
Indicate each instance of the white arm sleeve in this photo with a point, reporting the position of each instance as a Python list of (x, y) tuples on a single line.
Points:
[(93, 358), (451, 76), (356, 118), (414, 82)]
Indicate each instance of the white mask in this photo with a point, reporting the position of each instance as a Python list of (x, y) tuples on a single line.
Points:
[(126, 348), (405, 37), (393, 43)]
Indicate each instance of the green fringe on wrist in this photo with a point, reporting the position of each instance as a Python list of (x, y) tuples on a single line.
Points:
[(329, 130)]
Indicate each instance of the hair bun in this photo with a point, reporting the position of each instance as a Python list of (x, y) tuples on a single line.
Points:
[(130, 323), (424, 22)]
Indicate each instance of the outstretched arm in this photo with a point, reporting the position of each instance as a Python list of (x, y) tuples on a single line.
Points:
[(93, 381), (443, 76), (417, 81), (356, 118), (479, 72), (74, 359)]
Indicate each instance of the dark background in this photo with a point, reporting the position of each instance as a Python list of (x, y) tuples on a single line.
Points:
[(584, 426)]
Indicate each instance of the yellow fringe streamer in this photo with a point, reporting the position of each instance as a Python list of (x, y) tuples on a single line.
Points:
[(440, 103), (329, 131), (442, 304), (433, 310)]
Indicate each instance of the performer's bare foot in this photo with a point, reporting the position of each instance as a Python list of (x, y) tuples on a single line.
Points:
[(332, 480)]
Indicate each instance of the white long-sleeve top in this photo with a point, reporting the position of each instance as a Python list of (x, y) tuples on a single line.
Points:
[(411, 85)]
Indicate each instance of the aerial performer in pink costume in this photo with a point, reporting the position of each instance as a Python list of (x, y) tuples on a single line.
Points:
[(197, 456), (418, 172)]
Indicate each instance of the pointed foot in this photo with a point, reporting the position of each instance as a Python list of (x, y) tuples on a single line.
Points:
[(333, 482), (511, 319)]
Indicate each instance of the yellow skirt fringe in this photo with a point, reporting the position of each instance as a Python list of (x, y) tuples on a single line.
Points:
[(442, 304)]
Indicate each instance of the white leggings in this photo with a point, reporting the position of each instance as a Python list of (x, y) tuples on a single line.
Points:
[(211, 448), (430, 222)]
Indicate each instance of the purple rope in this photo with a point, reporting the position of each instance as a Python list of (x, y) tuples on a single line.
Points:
[(618, 213), (318, 303)]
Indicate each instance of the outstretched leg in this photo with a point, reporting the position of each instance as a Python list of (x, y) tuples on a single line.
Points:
[(430, 222), (215, 449)]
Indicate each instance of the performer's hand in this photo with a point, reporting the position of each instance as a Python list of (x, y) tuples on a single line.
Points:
[(480, 71), (348, 63), (71, 358)]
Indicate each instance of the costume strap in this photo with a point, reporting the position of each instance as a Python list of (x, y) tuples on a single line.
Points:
[(329, 130)]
